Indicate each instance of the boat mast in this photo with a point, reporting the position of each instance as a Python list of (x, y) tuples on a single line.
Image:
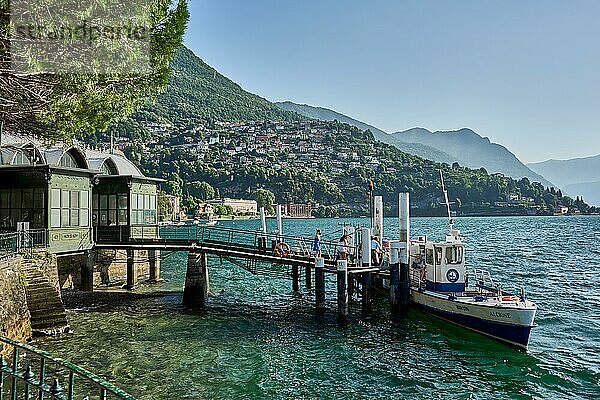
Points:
[(450, 220)]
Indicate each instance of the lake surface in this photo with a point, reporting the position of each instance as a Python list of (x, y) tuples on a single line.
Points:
[(259, 340)]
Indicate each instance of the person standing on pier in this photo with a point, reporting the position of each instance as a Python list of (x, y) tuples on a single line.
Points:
[(343, 248), (375, 251), (317, 243)]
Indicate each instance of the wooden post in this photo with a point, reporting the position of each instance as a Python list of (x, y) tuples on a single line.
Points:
[(296, 278), (154, 263), (196, 288), (366, 291), (87, 271), (365, 247), (131, 275), (320, 284), (342, 290), (279, 223), (308, 277), (394, 279)]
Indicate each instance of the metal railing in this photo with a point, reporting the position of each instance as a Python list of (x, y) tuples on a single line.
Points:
[(13, 243), (299, 245), (32, 373)]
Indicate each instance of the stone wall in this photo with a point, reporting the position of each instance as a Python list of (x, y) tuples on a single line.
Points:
[(14, 315)]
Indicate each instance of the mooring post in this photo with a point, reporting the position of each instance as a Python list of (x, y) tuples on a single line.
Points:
[(279, 223), (131, 275), (342, 290), (404, 253), (308, 277), (296, 278), (365, 256), (196, 288), (263, 223), (320, 284), (366, 291), (395, 278), (154, 266), (378, 227), (87, 271)]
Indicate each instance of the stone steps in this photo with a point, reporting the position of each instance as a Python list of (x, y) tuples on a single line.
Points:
[(48, 315)]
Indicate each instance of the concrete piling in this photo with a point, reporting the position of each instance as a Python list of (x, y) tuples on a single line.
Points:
[(196, 288), (308, 277), (154, 266), (342, 290), (320, 285), (87, 271), (366, 291), (404, 253)]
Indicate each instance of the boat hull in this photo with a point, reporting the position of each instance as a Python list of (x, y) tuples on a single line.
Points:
[(511, 325)]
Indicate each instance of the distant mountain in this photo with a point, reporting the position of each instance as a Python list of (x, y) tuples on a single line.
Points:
[(324, 114), (473, 151), (578, 177)]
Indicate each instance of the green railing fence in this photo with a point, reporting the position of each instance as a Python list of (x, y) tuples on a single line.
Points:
[(34, 374)]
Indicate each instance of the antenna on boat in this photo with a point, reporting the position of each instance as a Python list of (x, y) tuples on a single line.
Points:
[(450, 220)]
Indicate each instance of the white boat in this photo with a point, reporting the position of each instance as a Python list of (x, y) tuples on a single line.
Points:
[(439, 285)]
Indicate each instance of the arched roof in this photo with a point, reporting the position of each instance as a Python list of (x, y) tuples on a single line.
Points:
[(124, 167)]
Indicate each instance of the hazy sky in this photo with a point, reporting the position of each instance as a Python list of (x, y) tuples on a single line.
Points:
[(526, 74)]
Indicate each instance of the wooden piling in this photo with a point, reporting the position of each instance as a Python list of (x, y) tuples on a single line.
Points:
[(394, 279), (308, 277), (131, 275), (404, 287), (320, 284), (342, 290), (366, 291), (404, 252), (296, 278), (154, 263), (196, 288)]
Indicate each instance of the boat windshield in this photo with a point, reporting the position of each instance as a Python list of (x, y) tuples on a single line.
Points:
[(454, 255)]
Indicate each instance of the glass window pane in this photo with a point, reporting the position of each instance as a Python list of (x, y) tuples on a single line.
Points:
[(75, 200), (65, 198), (112, 202), (55, 198), (95, 202), (122, 202), (15, 216), (15, 198), (134, 218), (84, 218), (65, 218), (103, 218), (153, 202), (75, 217), (84, 199), (5, 218), (55, 218), (38, 198), (146, 202), (140, 216), (103, 202), (27, 215), (122, 217), (112, 217), (5, 198), (27, 198), (140, 201), (39, 220), (134, 202)]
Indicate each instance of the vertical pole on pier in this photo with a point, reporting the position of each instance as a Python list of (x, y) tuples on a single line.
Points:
[(365, 247), (131, 275), (395, 277), (308, 277), (320, 284), (296, 278), (154, 266), (87, 272), (196, 288), (342, 290), (279, 223), (263, 222), (378, 230), (366, 291), (404, 253)]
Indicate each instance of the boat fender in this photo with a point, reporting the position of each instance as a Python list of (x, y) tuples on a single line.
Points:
[(282, 249)]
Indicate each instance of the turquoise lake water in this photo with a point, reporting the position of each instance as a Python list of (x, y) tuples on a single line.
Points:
[(259, 340)]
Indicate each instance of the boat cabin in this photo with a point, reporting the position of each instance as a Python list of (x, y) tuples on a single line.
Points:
[(445, 269)]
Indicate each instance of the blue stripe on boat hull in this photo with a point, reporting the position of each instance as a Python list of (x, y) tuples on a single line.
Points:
[(517, 335)]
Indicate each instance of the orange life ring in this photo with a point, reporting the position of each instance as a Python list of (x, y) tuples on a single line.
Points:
[(282, 249), (510, 298)]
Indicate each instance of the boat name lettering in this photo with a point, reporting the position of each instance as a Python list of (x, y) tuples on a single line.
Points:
[(500, 314), (462, 308)]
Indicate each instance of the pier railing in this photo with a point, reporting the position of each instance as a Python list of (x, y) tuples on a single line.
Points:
[(11, 243), (31, 373), (298, 245)]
